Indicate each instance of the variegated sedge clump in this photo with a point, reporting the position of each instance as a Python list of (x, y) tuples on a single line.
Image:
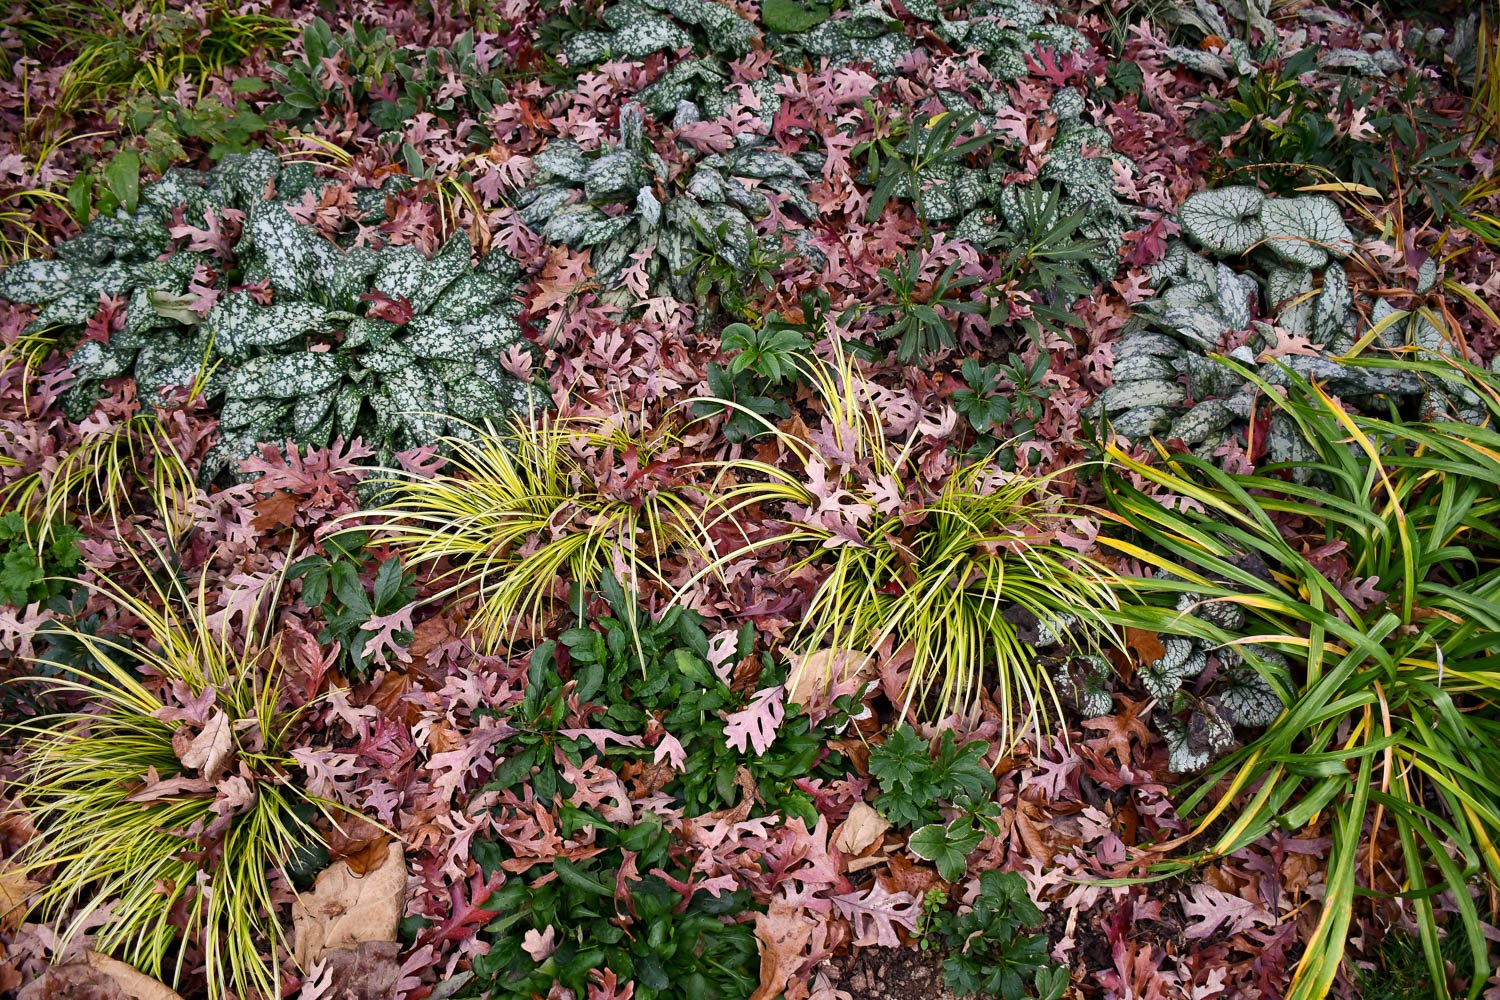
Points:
[(1292, 285), (708, 208), (168, 798), (306, 339)]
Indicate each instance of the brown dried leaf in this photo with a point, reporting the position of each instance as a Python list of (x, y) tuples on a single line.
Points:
[(14, 888), (864, 828), (277, 510), (345, 910), (131, 981), (357, 842), (207, 752), (783, 935)]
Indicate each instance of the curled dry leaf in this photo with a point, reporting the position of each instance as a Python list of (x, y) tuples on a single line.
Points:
[(209, 750), (862, 829), (357, 842), (76, 980), (134, 983), (14, 888), (345, 910)]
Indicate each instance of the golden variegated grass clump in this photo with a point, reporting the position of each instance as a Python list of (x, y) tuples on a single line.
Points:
[(130, 467), (523, 512), (942, 572), (160, 819)]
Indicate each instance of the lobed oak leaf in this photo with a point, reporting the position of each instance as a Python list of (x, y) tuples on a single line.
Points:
[(1209, 909), (877, 913), (757, 722)]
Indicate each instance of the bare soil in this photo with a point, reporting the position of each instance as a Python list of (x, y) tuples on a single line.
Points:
[(891, 974)]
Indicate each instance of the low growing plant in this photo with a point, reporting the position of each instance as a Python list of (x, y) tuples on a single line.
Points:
[(640, 681), (334, 584), (32, 574), (522, 513), (764, 363), (990, 952), (385, 345), (949, 570), (163, 809)]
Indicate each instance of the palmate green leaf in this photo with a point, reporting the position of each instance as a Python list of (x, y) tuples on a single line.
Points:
[(947, 845)]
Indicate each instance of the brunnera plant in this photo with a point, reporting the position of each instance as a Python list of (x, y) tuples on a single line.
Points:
[(164, 808)]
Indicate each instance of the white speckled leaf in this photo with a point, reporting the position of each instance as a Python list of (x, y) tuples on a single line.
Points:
[(286, 376)]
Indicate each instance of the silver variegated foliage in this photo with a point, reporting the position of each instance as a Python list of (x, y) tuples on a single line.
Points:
[(622, 203), (1204, 690), (387, 346), (1367, 56), (1287, 280)]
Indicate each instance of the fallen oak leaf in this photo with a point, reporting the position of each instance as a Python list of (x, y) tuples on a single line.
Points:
[(208, 751), (877, 913), (1208, 909), (783, 934)]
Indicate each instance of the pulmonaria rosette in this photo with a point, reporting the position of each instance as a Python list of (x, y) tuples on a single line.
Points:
[(1212, 56), (305, 340), (1289, 303), (623, 204), (1079, 166)]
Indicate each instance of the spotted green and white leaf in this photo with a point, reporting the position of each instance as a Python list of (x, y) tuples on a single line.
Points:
[(239, 324), (286, 376)]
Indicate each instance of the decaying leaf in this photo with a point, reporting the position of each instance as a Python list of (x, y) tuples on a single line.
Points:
[(863, 828), (345, 910)]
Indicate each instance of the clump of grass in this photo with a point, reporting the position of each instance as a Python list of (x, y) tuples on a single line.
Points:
[(952, 573), (132, 834), (130, 467), (521, 511), (1393, 721)]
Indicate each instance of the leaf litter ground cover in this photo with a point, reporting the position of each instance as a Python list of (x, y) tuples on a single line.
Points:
[(641, 499)]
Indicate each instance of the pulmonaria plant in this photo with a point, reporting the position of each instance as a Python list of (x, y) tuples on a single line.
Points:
[(1241, 24), (297, 337), (1074, 189), (1290, 306), (1203, 689), (635, 29), (1002, 33), (624, 204)]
